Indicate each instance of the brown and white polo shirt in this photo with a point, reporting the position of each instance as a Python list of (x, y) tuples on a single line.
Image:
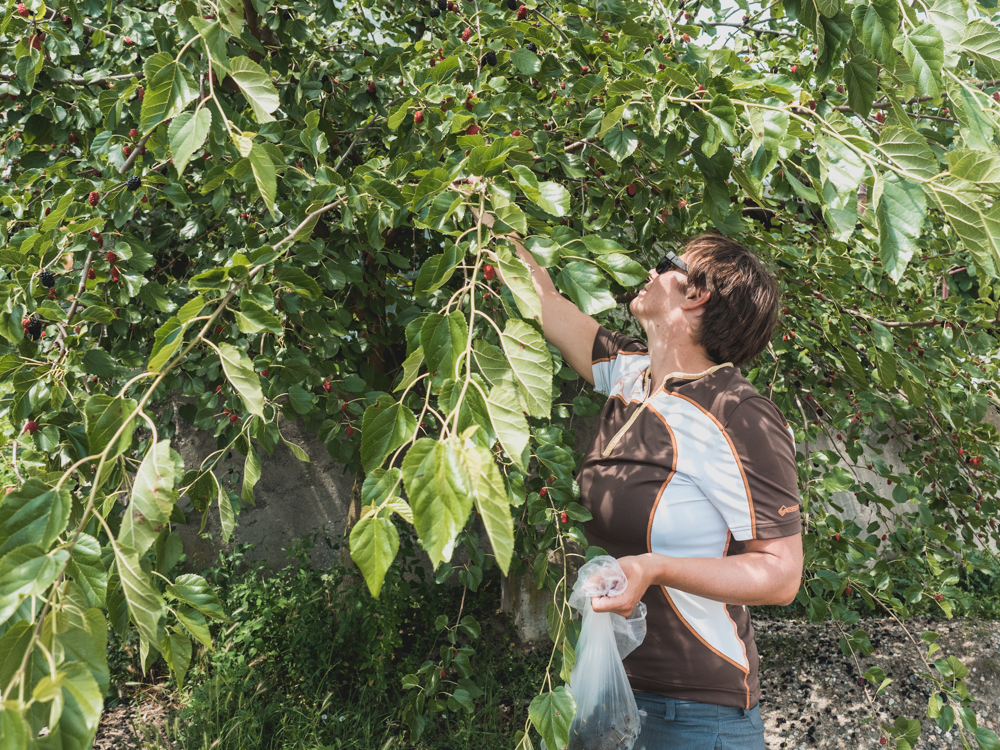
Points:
[(694, 469)]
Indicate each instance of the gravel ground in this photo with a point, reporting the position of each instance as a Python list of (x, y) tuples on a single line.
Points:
[(811, 699), (810, 696)]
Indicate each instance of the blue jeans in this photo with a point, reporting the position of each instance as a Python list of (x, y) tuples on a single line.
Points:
[(671, 724)]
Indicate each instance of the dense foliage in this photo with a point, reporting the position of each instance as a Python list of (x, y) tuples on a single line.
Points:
[(264, 211)]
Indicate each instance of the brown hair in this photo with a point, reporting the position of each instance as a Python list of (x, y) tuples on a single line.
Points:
[(742, 310)]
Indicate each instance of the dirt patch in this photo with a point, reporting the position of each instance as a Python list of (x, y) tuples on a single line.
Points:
[(137, 723), (811, 699)]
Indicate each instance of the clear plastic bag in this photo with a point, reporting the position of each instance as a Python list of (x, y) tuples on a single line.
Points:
[(606, 714)]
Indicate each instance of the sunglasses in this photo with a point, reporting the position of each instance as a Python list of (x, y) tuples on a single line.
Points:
[(671, 260)]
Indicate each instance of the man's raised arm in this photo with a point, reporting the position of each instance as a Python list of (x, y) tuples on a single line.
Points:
[(565, 326)]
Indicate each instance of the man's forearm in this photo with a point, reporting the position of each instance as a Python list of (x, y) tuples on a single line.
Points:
[(753, 578)]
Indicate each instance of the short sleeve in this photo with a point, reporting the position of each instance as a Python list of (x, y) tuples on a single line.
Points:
[(610, 357), (765, 447)]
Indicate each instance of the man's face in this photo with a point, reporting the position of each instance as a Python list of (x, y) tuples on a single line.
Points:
[(660, 299)]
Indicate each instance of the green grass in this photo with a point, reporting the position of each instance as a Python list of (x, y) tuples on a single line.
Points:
[(311, 661)]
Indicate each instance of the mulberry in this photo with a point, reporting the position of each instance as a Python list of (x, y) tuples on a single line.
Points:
[(94, 198), (435, 13), (532, 47), (48, 279), (33, 328), (133, 184), (490, 58)]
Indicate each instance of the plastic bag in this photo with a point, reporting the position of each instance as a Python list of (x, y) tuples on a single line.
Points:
[(607, 717)]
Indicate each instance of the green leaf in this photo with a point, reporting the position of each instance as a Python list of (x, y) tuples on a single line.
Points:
[(176, 648), (986, 739), (923, 50), (168, 91), (27, 571), (14, 728), (256, 87), (531, 363), (54, 219), (299, 282), (145, 605), (98, 362), (194, 623), (187, 134), (227, 517), (196, 592), (841, 171), (87, 570), (526, 61), (552, 198), (436, 271), (374, 544), (586, 287), (981, 42), (494, 507), (442, 339), (900, 211), (876, 26), (909, 151), (491, 361), (517, 277), (980, 167), (380, 485), (167, 340), (252, 318), (977, 227), (264, 174), (411, 369), (620, 143), (623, 269), (239, 371), (397, 115), (440, 492), (950, 18), (251, 475), (32, 514), (385, 427), (861, 77), (551, 714), (104, 416), (153, 498), (508, 420), (597, 245)]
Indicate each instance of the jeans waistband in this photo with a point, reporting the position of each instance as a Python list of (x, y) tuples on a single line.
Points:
[(671, 708)]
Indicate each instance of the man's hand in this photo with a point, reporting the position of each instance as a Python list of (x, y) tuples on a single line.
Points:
[(637, 572)]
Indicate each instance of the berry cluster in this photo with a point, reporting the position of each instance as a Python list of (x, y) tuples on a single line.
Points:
[(32, 327), (490, 58), (133, 184), (48, 279)]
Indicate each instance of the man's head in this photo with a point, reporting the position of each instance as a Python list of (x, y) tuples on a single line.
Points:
[(726, 301)]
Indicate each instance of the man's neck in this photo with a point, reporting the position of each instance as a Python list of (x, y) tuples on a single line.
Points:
[(667, 360)]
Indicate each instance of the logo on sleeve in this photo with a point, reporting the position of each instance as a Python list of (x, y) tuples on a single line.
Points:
[(783, 510)]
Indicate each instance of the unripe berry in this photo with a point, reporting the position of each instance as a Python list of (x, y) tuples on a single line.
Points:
[(22, 10), (30, 427), (489, 272), (133, 133), (418, 117), (522, 13), (473, 129)]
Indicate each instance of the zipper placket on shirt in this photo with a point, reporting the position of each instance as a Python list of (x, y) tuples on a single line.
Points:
[(635, 415)]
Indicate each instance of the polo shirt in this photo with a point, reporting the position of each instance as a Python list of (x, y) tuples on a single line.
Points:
[(694, 469)]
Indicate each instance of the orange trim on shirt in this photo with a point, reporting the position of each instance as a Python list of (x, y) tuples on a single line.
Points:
[(673, 470), (736, 630), (746, 484)]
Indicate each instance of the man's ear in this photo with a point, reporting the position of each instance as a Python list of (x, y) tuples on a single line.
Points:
[(695, 298)]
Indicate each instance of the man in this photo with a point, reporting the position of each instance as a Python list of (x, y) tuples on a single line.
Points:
[(691, 480)]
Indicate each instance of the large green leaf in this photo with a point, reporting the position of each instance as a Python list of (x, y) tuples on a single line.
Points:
[(549, 196), (437, 270), (439, 488), (508, 420), (950, 18), (176, 648), (621, 143), (55, 218), (493, 505), (168, 91), (196, 592), (841, 169), (623, 269), (981, 42), (374, 544), (385, 427), (251, 475), (977, 226), (972, 110), (256, 87), (586, 287), (909, 151), (231, 16), (876, 24), (900, 211), (264, 174), (443, 338), (491, 361), (239, 370), (87, 569), (153, 498), (980, 167), (531, 363), (187, 133), (145, 605), (861, 77), (27, 571), (551, 714), (104, 416), (923, 50), (517, 277), (32, 514)]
